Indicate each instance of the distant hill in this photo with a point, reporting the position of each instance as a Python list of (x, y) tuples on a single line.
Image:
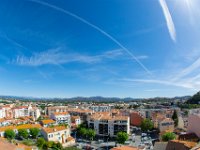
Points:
[(195, 99), (94, 99)]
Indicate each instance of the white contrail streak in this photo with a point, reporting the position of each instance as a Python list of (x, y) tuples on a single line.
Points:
[(95, 27), (168, 18)]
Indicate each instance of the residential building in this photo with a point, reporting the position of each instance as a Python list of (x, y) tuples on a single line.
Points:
[(136, 119), (83, 113), (194, 123), (58, 134), (16, 128), (76, 120), (61, 117), (166, 124), (105, 124), (2, 113), (5, 122), (48, 122), (100, 108)]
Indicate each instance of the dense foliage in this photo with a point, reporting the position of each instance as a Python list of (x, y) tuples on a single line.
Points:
[(146, 125), (168, 136), (194, 99), (23, 133), (44, 145), (122, 137), (175, 118), (34, 132), (9, 134)]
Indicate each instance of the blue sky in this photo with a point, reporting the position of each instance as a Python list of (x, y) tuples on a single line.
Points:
[(137, 48)]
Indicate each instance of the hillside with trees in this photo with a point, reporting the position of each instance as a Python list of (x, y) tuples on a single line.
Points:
[(195, 99)]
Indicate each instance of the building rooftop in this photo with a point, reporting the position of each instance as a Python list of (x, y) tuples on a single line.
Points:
[(54, 129), (47, 121), (60, 113), (125, 148)]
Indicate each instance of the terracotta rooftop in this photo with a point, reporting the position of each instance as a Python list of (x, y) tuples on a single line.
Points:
[(47, 121), (125, 148), (24, 126), (54, 129), (60, 113), (107, 116)]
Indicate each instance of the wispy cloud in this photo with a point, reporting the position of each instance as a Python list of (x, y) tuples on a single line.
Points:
[(96, 28), (178, 84), (195, 65), (58, 57), (168, 18)]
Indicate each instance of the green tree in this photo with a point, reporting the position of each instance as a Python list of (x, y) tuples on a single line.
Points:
[(146, 125), (9, 134), (40, 142), (91, 134), (122, 137), (34, 132), (57, 146), (23, 133), (82, 131), (175, 118), (168, 136)]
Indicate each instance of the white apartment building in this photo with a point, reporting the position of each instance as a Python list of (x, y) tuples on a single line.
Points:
[(100, 108), (2, 113), (26, 111), (61, 117), (76, 120), (107, 125)]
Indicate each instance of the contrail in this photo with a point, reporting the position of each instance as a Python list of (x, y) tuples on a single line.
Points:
[(168, 18), (95, 27)]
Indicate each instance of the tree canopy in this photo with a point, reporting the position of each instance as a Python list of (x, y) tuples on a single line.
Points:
[(175, 118), (195, 99), (9, 134), (23, 133), (168, 136), (122, 137), (34, 132), (146, 125), (90, 133)]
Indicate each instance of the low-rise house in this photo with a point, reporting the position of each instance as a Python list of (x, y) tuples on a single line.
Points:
[(61, 117), (47, 122), (75, 120), (5, 122), (16, 128), (58, 134)]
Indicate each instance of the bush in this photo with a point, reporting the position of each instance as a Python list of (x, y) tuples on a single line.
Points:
[(146, 125), (9, 134), (168, 136), (122, 137), (28, 142), (23, 133), (34, 132), (40, 142)]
